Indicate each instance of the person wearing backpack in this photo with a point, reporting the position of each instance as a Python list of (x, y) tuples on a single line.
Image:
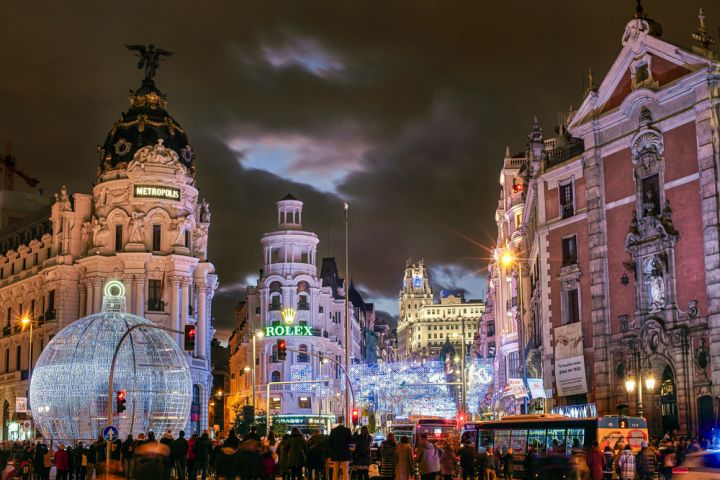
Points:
[(626, 464), (428, 458)]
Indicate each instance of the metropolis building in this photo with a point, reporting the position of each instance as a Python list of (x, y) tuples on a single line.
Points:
[(292, 302), (143, 224)]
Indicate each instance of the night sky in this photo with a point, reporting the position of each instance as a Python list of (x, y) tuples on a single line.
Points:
[(403, 109)]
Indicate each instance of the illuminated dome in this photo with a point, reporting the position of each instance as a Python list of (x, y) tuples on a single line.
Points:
[(69, 387)]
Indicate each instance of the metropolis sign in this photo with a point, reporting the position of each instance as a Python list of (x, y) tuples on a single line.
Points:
[(294, 330), (156, 191)]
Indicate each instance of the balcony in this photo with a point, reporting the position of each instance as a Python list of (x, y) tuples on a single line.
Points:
[(564, 153)]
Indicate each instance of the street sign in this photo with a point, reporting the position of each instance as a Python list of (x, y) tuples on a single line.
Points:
[(110, 433)]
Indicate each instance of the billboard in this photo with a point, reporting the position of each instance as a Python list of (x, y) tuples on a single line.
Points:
[(570, 372)]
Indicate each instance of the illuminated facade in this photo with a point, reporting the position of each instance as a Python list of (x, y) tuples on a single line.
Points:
[(617, 241), (292, 302), (143, 224), (424, 327)]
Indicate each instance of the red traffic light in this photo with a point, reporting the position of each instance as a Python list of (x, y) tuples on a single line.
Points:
[(355, 417), (460, 420), (120, 399), (281, 349), (190, 334)]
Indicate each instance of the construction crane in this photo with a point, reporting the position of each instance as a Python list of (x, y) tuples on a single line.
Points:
[(8, 160)]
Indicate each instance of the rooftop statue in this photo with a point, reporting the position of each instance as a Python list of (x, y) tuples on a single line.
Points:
[(149, 58)]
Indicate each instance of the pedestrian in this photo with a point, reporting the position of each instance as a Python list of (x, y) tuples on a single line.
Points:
[(62, 463), (428, 458), (388, 457), (468, 460), (596, 461), (179, 451), (317, 447), (232, 440), (227, 462), (126, 451), (282, 457), (404, 460), (448, 461), (167, 440), (608, 463), (191, 463), (340, 454), (646, 462), (361, 454), (80, 456), (668, 459), (296, 454), (253, 435), (507, 463), (626, 464), (151, 460), (489, 464), (202, 449), (38, 460)]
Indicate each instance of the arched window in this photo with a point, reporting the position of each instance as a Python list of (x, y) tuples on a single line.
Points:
[(303, 303), (303, 286), (303, 357), (275, 296), (275, 287), (273, 353), (275, 376)]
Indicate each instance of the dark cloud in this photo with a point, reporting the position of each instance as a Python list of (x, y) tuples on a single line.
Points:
[(403, 108)]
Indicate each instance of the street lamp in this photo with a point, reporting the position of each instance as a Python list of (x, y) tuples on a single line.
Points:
[(26, 321), (462, 370), (508, 260), (630, 382), (256, 334), (346, 206)]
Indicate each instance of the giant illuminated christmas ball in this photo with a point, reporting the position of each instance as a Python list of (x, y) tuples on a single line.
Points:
[(69, 385)]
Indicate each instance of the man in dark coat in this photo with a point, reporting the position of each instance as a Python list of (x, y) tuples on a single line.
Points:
[(202, 448), (178, 450), (340, 454)]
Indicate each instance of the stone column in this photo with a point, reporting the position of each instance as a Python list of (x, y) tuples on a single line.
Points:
[(97, 294), (89, 301), (129, 282), (139, 295), (184, 302), (82, 305), (174, 311), (202, 320)]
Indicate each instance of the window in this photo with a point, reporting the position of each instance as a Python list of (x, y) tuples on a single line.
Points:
[(567, 201), (17, 357), (275, 302), (569, 250), (641, 73), (275, 376), (303, 356), (491, 349), (156, 237), (50, 311), (513, 365), (9, 317), (275, 403), (518, 221), (155, 302), (651, 195), (304, 402), (273, 355), (491, 329), (118, 237), (571, 313), (187, 238), (303, 303)]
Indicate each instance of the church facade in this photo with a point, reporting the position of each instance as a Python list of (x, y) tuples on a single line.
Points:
[(144, 224), (618, 242)]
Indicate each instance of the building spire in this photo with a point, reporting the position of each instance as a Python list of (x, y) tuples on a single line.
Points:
[(591, 86), (701, 35)]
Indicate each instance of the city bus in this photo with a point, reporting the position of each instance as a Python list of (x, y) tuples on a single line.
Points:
[(436, 429), (552, 436)]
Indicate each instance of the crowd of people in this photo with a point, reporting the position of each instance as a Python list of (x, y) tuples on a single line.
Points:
[(342, 453)]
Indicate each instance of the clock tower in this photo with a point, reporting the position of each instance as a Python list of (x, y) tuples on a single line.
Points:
[(415, 293)]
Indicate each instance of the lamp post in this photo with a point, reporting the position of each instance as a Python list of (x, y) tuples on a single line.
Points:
[(507, 259), (25, 321), (630, 381), (462, 371), (347, 321), (256, 334)]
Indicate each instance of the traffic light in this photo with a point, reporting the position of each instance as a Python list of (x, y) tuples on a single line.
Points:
[(355, 416), (460, 420), (281, 349), (190, 334), (120, 399)]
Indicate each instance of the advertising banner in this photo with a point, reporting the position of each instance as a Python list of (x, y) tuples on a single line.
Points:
[(537, 389), (570, 376), (568, 341), (516, 387), (20, 404)]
